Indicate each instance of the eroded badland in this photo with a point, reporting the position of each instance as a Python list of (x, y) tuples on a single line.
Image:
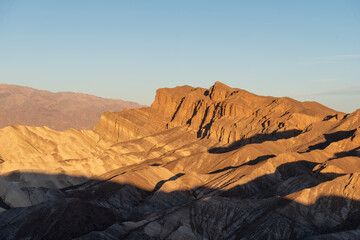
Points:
[(218, 163)]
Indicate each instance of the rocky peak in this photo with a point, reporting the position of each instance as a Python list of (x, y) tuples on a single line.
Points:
[(219, 91), (222, 113)]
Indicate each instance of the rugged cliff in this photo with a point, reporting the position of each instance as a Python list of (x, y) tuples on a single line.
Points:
[(220, 163), (221, 113)]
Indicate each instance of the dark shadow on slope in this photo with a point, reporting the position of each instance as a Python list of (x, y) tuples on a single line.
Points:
[(204, 130), (285, 219), (161, 183), (177, 109), (4, 205), (329, 117), (200, 133), (330, 138), (155, 164), (352, 153), (91, 207), (65, 219), (258, 138), (249, 163)]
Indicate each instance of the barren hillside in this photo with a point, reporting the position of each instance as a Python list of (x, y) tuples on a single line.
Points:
[(218, 163), (60, 111)]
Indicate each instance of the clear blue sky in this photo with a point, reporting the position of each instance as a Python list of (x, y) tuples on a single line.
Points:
[(308, 50)]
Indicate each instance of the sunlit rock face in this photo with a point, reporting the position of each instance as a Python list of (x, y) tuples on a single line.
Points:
[(221, 113), (217, 163)]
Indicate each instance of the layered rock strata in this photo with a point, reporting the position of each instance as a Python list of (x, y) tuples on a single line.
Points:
[(220, 163)]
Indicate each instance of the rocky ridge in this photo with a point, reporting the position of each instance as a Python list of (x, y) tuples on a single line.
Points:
[(222, 113), (218, 163)]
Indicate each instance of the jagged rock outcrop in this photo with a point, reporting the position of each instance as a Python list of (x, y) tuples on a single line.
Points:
[(220, 163), (221, 113)]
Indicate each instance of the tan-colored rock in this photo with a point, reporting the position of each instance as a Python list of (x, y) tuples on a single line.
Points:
[(222, 113), (218, 163)]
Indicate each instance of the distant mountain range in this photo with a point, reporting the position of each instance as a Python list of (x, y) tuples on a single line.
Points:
[(27, 106)]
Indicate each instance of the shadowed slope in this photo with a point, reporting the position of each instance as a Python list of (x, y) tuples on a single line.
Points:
[(258, 138), (115, 209)]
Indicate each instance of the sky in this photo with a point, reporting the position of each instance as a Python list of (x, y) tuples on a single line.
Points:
[(308, 50)]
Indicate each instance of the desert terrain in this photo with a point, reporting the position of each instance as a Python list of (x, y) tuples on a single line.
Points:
[(59, 111), (217, 163)]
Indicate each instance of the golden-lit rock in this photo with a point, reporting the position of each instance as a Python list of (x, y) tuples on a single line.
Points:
[(218, 163)]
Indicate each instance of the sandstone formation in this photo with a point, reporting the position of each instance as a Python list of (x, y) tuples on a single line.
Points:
[(218, 163), (60, 111)]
